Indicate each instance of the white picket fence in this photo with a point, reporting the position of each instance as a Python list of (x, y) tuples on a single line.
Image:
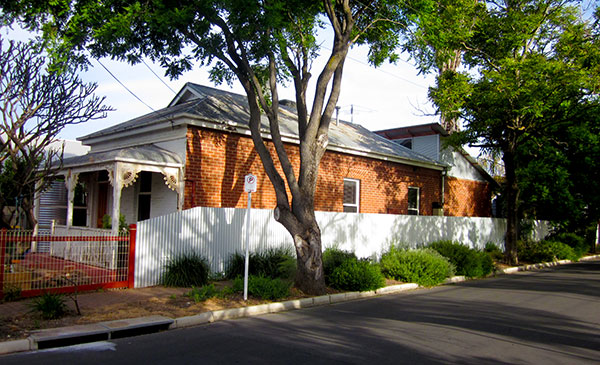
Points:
[(216, 233)]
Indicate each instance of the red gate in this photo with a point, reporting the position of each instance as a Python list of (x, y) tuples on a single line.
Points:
[(31, 265)]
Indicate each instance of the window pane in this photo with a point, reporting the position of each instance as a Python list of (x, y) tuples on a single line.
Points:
[(406, 143), (350, 192), (413, 198), (80, 217), (143, 207), (145, 182), (350, 209)]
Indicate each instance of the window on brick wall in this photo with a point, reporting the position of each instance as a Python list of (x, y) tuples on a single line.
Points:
[(351, 195), (413, 200)]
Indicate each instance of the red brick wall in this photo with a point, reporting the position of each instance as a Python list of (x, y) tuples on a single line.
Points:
[(217, 163), (467, 198)]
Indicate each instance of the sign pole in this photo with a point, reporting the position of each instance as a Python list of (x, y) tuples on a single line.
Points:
[(249, 187), (247, 260)]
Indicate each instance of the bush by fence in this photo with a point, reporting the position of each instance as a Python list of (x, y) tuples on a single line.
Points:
[(279, 262), (422, 266), (467, 261), (542, 251), (217, 233), (186, 270)]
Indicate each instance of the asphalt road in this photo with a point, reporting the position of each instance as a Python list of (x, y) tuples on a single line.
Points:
[(543, 317)]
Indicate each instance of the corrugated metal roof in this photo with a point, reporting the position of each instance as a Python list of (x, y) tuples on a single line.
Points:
[(223, 107)]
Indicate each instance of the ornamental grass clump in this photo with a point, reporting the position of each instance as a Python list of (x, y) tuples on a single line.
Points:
[(274, 263), (424, 266), (467, 261), (186, 270), (50, 306)]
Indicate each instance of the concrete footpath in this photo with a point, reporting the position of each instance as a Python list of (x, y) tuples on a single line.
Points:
[(65, 336)]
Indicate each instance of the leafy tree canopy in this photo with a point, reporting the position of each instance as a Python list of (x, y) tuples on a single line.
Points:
[(531, 76)]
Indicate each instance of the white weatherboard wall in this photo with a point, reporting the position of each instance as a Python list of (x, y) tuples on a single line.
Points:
[(216, 233)]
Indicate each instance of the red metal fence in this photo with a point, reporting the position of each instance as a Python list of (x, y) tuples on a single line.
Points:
[(31, 265)]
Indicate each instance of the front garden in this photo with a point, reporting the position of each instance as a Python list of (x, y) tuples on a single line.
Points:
[(271, 273), (190, 288)]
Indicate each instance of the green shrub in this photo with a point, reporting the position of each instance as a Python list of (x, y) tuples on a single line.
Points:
[(333, 258), (422, 266), (274, 263), (203, 293), (268, 288), (357, 276), (263, 287), (544, 251), (107, 222), (493, 251), (561, 251), (238, 285), (186, 270), (487, 263), (50, 306), (574, 241), (12, 292), (467, 261)]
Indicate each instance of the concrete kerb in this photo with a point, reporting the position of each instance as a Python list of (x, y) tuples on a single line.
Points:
[(512, 270), (213, 316), (16, 346)]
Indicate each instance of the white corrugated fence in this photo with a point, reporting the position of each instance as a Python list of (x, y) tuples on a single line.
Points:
[(216, 233)]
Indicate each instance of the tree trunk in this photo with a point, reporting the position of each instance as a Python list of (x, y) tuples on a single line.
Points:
[(309, 274), (512, 209)]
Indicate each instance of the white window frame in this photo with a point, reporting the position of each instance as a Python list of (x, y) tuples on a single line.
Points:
[(356, 198), (417, 210)]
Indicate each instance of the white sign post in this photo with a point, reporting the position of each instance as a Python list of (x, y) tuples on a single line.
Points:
[(249, 187)]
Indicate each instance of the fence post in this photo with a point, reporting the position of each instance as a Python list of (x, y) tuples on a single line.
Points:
[(131, 266), (2, 258)]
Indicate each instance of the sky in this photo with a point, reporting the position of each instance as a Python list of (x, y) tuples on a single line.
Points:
[(392, 95)]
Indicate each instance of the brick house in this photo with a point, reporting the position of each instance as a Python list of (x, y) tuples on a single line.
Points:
[(197, 150), (467, 186)]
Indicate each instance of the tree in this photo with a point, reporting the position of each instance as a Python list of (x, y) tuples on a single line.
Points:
[(259, 43), (559, 181), (437, 32), (532, 66), (36, 104)]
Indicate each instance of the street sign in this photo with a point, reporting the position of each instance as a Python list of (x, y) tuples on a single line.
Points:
[(250, 183), (249, 187)]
